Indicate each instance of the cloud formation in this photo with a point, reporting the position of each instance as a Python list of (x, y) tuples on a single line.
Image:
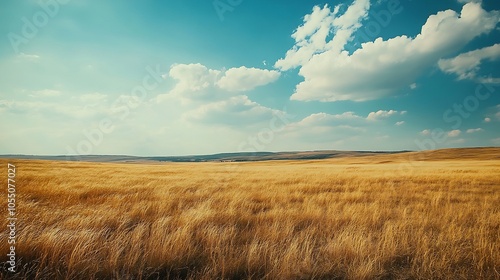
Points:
[(346, 119), (466, 65), (45, 93), (196, 82), (310, 38), (235, 111), (245, 79), (474, 130), (380, 68), (454, 133), (382, 114), (214, 96)]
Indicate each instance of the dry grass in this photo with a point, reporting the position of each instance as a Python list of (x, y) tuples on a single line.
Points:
[(330, 219)]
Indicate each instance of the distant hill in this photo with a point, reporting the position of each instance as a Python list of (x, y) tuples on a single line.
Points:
[(443, 154)]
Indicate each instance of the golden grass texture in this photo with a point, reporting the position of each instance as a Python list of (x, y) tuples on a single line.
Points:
[(324, 219)]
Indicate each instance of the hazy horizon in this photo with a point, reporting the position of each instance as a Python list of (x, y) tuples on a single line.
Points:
[(174, 78)]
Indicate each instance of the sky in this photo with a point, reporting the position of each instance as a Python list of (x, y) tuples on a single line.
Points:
[(184, 77)]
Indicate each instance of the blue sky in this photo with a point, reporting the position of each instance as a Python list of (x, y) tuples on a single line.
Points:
[(197, 77)]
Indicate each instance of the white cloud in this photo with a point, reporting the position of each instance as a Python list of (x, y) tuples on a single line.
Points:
[(324, 119), (48, 109), (473, 130), (235, 111), (413, 86), (466, 65), (208, 95), (93, 97), (496, 141), (32, 57), (245, 79), (196, 82), (381, 114), (346, 119), (487, 120), (332, 131), (400, 123), (45, 93), (323, 127), (311, 36), (331, 73), (488, 80), (454, 133), (425, 132)]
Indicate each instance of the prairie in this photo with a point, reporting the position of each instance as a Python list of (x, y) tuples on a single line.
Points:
[(374, 217)]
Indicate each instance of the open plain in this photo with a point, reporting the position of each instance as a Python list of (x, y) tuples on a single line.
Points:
[(428, 215)]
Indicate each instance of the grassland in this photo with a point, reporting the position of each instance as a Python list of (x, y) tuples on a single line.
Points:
[(359, 218)]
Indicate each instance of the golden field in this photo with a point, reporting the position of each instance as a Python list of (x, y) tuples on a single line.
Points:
[(374, 217)]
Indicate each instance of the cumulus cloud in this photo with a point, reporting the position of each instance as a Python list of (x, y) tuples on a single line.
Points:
[(466, 65), (348, 120), (235, 111), (337, 129), (210, 95), (94, 97), (488, 80), (332, 74), (196, 82), (45, 93), (473, 130), (454, 133), (400, 123), (425, 132), (493, 114), (48, 109), (311, 37), (382, 114), (245, 79), (324, 119), (321, 127)]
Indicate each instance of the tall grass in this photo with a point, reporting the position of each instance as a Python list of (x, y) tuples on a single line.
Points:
[(330, 219)]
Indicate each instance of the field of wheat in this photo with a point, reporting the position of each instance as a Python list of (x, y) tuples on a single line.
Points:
[(358, 218)]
